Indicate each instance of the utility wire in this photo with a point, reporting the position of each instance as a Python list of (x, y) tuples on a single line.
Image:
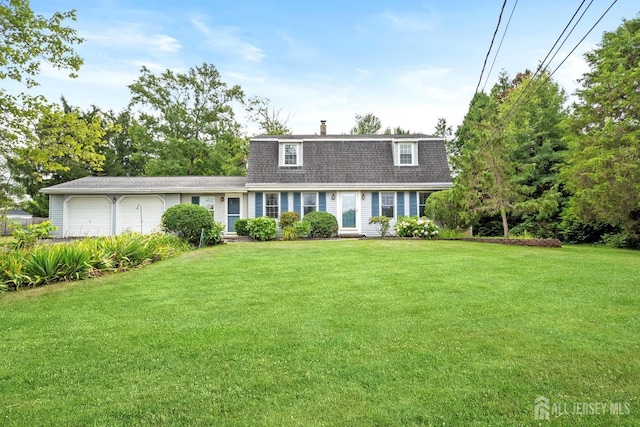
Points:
[(549, 75), (495, 57), (542, 67), (491, 45)]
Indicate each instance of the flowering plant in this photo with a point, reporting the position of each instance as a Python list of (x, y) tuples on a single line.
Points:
[(416, 227)]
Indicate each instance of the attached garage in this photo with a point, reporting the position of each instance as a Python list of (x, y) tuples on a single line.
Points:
[(142, 214), (105, 205), (88, 216)]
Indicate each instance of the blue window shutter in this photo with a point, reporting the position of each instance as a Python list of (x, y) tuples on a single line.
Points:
[(284, 202), (322, 202), (259, 203), (413, 204), (400, 198), (195, 200), (375, 203), (296, 204)]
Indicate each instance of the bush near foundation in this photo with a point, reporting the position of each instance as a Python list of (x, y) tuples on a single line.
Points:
[(188, 221)]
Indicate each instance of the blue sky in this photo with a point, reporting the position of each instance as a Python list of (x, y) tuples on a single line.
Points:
[(408, 62)]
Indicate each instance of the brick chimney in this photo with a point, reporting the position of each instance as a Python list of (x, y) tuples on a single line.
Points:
[(323, 127)]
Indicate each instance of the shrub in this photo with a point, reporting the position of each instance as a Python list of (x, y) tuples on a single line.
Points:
[(27, 237), (188, 221), (302, 229), (296, 230), (624, 240), (241, 227), (416, 227), (287, 219), (213, 236), (444, 207), (262, 228), (383, 224), (575, 231), (323, 224)]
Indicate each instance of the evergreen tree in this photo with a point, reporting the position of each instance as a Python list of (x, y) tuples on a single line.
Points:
[(603, 133)]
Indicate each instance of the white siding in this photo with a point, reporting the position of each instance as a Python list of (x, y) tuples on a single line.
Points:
[(365, 213), (172, 200), (251, 205), (56, 213), (332, 205)]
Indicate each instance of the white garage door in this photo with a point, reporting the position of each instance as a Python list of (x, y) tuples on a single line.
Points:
[(88, 216), (142, 214)]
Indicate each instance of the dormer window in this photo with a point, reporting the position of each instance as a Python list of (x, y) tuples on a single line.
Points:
[(406, 153), (290, 153)]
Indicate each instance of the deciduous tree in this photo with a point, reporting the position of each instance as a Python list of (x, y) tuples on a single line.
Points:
[(268, 118), (368, 124), (63, 146), (186, 116), (28, 40)]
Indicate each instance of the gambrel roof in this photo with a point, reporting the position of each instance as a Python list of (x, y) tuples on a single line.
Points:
[(347, 159)]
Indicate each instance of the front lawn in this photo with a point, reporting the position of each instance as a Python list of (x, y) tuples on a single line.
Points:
[(373, 332)]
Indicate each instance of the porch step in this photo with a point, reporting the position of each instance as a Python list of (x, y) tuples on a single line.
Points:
[(351, 236)]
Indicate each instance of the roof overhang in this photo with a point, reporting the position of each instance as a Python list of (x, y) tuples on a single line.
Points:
[(158, 190), (422, 186)]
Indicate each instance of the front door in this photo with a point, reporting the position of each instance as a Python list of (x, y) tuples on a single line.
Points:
[(233, 213), (349, 210)]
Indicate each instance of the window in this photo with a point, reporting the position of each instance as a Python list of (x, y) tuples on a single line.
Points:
[(208, 202), (271, 205), (387, 204), (422, 201), (406, 154), (309, 202), (290, 153)]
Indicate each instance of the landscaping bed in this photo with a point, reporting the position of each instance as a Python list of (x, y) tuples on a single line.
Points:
[(545, 243)]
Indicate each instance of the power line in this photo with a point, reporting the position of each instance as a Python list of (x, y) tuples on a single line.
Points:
[(495, 57), (549, 75), (542, 67), (504, 4)]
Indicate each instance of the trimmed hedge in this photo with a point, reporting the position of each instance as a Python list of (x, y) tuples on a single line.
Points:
[(262, 228), (241, 227), (188, 221), (323, 224)]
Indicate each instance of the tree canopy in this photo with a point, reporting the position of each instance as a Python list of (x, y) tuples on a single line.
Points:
[(267, 117), (28, 40), (368, 124), (603, 133), (190, 122), (508, 153)]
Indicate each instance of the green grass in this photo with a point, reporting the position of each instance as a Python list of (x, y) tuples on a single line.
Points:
[(377, 332)]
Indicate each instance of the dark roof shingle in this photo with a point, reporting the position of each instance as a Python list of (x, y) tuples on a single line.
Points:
[(347, 159)]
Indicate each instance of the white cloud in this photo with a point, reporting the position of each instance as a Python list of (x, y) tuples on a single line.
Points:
[(412, 23), (131, 36), (362, 73), (296, 50), (225, 39), (568, 74), (427, 82)]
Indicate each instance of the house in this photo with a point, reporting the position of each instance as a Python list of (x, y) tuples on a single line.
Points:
[(354, 177)]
